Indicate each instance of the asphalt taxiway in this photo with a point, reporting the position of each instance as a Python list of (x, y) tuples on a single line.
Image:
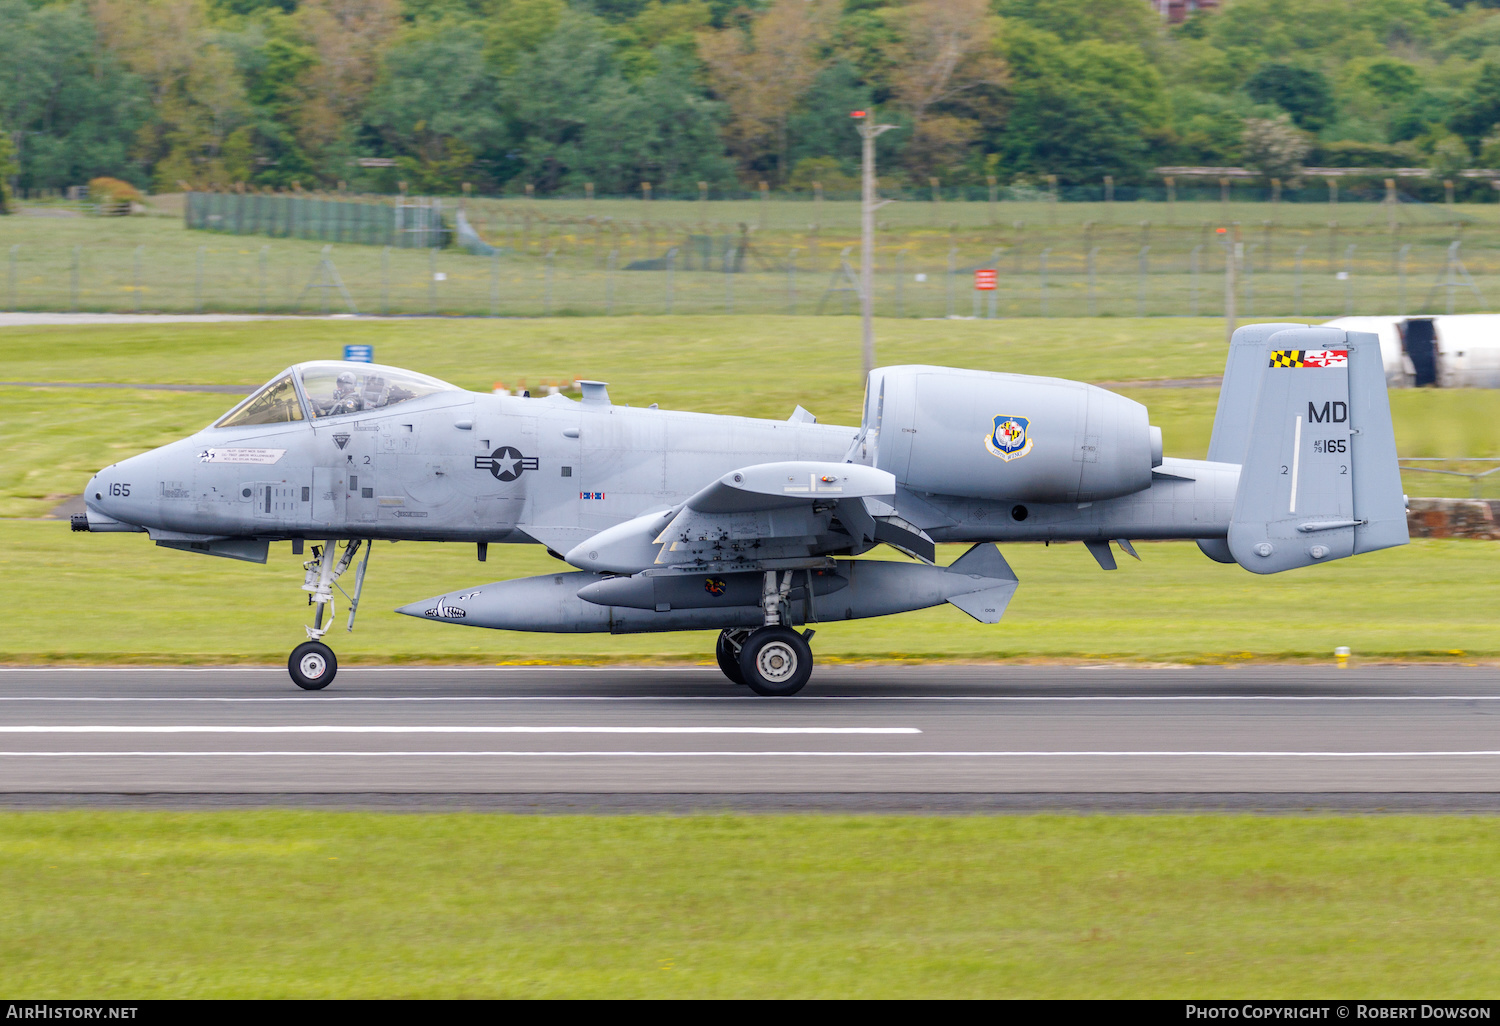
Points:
[(941, 737)]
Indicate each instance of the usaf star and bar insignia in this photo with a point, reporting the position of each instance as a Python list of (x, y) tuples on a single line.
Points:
[(1310, 358), (505, 463)]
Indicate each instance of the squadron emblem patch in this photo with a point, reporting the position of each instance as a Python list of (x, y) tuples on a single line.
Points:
[(1011, 438), (1310, 358), (714, 586)]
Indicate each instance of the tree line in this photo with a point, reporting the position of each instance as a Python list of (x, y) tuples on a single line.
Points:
[(552, 94)]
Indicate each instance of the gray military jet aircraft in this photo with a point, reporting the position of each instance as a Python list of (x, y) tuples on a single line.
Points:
[(676, 521)]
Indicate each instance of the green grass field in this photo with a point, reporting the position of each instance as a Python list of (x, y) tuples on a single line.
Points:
[(116, 598), (321, 905)]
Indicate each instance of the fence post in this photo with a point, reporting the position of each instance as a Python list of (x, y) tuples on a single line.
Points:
[(385, 280), (609, 283), (73, 280), (15, 251), (136, 270), (671, 259), (729, 254), (1093, 291), (432, 280), (1250, 281), (1297, 283), (791, 282), (901, 283), (550, 264), (495, 282), (1042, 274), (1171, 183), (765, 199), (1401, 279), (952, 272), (1193, 266), (265, 251), (1349, 279), (1231, 289), (992, 183), (198, 280), (1140, 292)]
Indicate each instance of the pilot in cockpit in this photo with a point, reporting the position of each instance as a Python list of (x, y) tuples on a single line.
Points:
[(346, 394)]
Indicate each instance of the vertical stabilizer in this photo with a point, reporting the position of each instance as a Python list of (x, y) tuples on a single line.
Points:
[(1319, 479)]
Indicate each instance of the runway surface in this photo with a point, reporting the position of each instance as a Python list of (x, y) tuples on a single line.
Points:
[(878, 737)]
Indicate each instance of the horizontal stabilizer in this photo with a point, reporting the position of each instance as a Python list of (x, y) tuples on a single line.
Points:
[(994, 583)]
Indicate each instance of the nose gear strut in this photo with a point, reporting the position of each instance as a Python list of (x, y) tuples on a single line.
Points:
[(312, 664)]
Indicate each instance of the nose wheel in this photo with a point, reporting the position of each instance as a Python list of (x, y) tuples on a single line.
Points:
[(312, 665)]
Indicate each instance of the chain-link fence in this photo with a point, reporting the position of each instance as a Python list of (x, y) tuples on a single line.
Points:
[(633, 257)]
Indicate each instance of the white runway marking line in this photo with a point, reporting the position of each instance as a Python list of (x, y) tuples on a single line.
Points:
[(750, 698), (381, 729), (626, 753)]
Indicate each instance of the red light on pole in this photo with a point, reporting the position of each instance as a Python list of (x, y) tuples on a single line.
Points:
[(1220, 231), (857, 113)]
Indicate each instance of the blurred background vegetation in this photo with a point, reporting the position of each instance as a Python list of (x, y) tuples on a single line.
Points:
[(551, 94)]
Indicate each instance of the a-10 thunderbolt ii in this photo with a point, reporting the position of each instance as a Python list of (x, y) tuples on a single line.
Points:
[(676, 521)]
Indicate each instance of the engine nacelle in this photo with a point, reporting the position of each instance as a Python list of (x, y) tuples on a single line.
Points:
[(984, 435)]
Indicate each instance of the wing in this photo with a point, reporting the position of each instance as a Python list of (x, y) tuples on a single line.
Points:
[(762, 516)]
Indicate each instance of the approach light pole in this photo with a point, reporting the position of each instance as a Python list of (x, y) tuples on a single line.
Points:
[(868, 131)]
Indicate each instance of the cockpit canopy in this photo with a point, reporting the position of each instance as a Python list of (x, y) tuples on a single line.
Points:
[(331, 388)]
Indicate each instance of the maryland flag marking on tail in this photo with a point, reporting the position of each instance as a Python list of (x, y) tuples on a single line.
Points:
[(1310, 358)]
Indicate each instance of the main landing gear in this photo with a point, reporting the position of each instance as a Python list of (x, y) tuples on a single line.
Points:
[(773, 660), (312, 664)]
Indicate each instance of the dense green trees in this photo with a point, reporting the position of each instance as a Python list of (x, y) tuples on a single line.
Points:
[(557, 93)]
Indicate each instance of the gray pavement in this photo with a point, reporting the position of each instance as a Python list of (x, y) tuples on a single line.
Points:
[(880, 737)]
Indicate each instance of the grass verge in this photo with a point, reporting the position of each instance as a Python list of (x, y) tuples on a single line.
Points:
[(115, 598), (319, 905)]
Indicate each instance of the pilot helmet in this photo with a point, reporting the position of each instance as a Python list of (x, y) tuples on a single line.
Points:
[(345, 382)]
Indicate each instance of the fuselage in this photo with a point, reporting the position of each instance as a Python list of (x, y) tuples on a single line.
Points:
[(472, 467)]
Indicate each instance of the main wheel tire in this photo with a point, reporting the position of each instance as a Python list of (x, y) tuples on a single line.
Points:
[(312, 665), (729, 659), (776, 662)]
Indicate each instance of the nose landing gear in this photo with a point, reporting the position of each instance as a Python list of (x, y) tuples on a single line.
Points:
[(312, 664)]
